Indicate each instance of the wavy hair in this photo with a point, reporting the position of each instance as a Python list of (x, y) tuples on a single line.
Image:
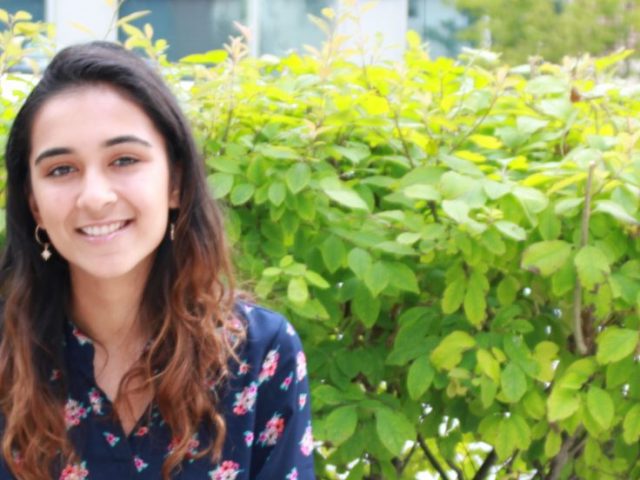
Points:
[(187, 301)]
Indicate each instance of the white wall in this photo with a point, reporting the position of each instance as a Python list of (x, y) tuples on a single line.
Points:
[(388, 17), (95, 16)]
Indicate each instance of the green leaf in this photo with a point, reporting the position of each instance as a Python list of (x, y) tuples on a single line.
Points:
[(297, 177), (488, 390), (546, 257), (220, 184), (241, 193), (562, 403), (615, 343), (631, 425), (210, 57), (277, 193), (420, 377), (394, 430), (511, 230), (402, 277), (297, 291), (454, 295), (592, 266), (475, 303), (513, 382), (422, 192), (506, 439), (449, 352), (277, 152), (488, 365), (365, 306), (316, 279), (508, 290), (577, 374), (342, 194), (600, 406), (333, 252), (341, 424), (457, 210), (552, 444), (377, 278), (616, 210), (359, 262)]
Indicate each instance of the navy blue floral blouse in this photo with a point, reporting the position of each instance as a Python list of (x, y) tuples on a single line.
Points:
[(266, 407)]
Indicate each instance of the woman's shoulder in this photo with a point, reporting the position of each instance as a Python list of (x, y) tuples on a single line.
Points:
[(267, 329)]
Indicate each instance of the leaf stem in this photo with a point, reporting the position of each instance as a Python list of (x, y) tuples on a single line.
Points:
[(486, 466), (577, 291)]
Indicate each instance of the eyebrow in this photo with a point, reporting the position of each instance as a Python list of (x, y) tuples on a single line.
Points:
[(57, 151)]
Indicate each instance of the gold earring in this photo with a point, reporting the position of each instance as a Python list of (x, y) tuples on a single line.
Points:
[(172, 231), (46, 253)]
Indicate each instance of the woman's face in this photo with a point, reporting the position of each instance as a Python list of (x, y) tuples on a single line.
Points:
[(100, 183)]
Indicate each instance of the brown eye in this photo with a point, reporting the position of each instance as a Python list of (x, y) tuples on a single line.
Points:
[(124, 161), (60, 171)]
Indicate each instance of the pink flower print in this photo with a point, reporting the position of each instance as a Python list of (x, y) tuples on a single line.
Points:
[(269, 366), (243, 368), (111, 438), (55, 375), (301, 365), (272, 431), (227, 470), (77, 471), (74, 411), (95, 399), (293, 474), (286, 383), (290, 330), (302, 400), (306, 444), (139, 463), (248, 438), (81, 337), (246, 399), (192, 447), (141, 432)]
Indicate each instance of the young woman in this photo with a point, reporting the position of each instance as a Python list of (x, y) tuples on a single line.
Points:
[(124, 352)]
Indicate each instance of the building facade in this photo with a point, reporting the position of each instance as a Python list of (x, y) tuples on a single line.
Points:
[(278, 26)]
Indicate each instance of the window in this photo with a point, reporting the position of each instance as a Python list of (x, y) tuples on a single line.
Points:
[(437, 23), (284, 24), (190, 26), (34, 7)]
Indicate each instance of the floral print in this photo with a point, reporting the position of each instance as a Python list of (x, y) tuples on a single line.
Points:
[(95, 399), (227, 470), (265, 406), (245, 400), (269, 366), (306, 444), (77, 471), (74, 412), (272, 431)]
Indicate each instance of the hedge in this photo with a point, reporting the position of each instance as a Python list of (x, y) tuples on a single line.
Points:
[(455, 240)]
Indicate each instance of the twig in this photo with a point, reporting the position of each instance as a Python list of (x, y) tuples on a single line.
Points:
[(486, 465), (562, 457), (577, 291), (432, 459)]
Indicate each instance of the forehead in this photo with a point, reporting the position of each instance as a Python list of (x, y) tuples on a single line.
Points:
[(89, 113)]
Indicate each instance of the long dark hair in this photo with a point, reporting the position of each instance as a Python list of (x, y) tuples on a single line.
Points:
[(187, 300)]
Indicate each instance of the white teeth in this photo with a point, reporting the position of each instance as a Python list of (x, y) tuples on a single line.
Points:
[(100, 230)]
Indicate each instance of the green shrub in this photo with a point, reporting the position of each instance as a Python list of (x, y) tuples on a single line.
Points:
[(456, 242)]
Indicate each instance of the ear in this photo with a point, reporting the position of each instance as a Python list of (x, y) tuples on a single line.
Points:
[(174, 193), (33, 206)]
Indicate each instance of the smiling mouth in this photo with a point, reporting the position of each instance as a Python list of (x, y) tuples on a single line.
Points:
[(103, 230)]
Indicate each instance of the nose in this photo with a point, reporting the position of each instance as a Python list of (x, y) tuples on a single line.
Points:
[(96, 193)]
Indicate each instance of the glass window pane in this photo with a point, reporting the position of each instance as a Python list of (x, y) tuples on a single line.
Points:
[(190, 26), (437, 22), (34, 7), (284, 24)]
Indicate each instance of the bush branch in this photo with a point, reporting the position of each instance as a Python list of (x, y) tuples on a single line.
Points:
[(432, 459), (577, 291), (486, 466)]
